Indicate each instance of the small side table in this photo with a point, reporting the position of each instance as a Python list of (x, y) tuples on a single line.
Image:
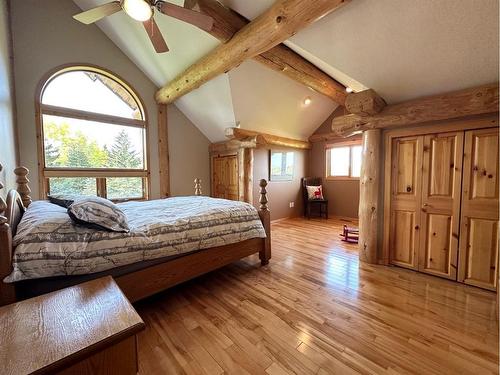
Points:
[(89, 328)]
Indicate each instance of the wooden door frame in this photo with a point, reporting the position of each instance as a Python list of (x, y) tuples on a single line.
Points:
[(463, 124)]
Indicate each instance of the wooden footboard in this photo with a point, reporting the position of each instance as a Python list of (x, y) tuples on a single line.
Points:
[(142, 283)]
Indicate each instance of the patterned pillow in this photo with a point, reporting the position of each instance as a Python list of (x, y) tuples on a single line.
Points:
[(62, 200), (98, 213), (314, 192)]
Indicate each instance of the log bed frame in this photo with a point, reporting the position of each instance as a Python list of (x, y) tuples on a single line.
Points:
[(137, 284)]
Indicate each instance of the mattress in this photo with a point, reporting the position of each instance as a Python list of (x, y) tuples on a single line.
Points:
[(49, 244)]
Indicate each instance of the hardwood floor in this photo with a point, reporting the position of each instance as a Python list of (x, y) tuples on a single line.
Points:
[(314, 310)]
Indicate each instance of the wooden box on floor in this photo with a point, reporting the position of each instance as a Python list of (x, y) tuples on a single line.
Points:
[(85, 329)]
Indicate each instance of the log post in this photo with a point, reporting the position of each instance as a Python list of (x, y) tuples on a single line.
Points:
[(265, 217), (197, 186), (248, 175), (241, 174), (369, 196), (23, 185)]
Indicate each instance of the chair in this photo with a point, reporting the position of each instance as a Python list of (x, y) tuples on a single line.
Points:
[(308, 203)]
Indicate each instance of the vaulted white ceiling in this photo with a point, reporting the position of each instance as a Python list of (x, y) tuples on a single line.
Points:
[(403, 49)]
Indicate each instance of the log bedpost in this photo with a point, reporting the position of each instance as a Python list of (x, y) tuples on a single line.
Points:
[(7, 291), (23, 185), (265, 217), (369, 196), (197, 186)]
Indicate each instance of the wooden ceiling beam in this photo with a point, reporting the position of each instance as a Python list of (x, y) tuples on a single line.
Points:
[(281, 58), (278, 23), (468, 102), (233, 145), (264, 139), (364, 103)]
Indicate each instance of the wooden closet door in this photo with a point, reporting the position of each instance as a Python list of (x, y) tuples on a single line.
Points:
[(405, 201), (440, 211), (225, 177), (479, 216), (218, 177)]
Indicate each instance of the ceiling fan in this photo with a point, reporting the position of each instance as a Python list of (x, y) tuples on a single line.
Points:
[(143, 11)]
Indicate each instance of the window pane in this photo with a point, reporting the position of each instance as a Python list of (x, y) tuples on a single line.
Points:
[(289, 164), (92, 92), (339, 161), (73, 143), (356, 161), (124, 187), (73, 185), (276, 163)]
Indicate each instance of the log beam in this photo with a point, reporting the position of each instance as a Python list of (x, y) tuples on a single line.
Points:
[(364, 103), (264, 139), (280, 58), (232, 145), (369, 182), (468, 102), (282, 20)]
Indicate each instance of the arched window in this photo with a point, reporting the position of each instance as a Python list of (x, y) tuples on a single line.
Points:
[(92, 138)]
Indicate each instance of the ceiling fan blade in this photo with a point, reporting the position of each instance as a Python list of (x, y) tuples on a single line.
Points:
[(155, 36), (190, 4), (95, 14), (197, 19)]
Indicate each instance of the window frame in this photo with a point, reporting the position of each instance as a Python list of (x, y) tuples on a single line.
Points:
[(281, 177), (100, 174), (328, 147)]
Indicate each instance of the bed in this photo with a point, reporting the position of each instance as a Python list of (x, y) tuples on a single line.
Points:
[(170, 241)]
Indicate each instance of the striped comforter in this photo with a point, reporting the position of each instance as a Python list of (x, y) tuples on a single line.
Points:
[(47, 243)]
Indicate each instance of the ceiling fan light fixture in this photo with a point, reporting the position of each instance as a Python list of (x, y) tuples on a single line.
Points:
[(139, 10)]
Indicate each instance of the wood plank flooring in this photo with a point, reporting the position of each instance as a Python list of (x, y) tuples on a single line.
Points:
[(314, 310)]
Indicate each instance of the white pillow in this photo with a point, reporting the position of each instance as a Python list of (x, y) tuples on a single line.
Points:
[(314, 192)]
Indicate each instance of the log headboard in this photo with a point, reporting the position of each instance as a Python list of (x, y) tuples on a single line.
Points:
[(11, 212)]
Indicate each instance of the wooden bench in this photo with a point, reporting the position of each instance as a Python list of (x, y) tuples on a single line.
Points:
[(85, 329)]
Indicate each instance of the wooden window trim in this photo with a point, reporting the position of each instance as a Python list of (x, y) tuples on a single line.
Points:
[(53, 110), (101, 173), (328, 147)]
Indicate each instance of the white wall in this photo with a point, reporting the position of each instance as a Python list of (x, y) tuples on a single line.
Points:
[(7, 127), (46, 36)]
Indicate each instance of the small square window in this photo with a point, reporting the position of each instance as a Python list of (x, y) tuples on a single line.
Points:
[(281, 165), (343, 162)]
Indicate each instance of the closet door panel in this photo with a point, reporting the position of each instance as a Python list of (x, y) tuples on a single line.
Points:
[(441, 187), (437, 245), (403, 239), (405, 201), (218, 177), (479, 216)]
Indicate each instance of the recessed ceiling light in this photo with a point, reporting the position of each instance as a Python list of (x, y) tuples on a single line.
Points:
[(307, 100), (348, 89)]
